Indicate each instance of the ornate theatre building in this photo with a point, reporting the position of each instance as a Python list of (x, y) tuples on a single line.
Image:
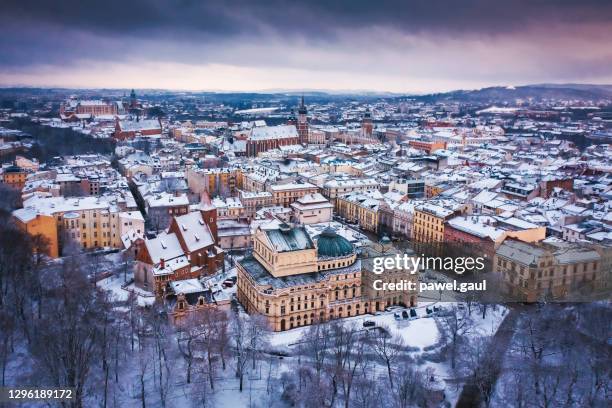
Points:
[(293, 280)]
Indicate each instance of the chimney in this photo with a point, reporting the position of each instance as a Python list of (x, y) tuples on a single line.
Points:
[(162, 263)]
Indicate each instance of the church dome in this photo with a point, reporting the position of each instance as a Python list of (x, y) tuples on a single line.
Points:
[(332, 245)]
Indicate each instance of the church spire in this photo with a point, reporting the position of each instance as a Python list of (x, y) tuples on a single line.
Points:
[(302, 122), (302, 110)]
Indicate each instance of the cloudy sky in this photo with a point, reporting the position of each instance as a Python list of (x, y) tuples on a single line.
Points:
[(399, 46)]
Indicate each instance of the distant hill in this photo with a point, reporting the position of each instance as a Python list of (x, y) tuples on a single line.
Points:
[(495, 94), (536, 92)]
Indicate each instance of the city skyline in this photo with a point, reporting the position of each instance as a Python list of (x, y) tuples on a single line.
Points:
[(402, 47), (289, 203)]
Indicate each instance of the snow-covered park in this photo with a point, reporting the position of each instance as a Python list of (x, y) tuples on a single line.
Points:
[(417, 335)]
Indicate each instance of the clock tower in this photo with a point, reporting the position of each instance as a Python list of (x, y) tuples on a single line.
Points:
[(302, 123)]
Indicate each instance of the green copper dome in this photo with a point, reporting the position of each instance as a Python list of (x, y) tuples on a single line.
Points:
[(332, 245)]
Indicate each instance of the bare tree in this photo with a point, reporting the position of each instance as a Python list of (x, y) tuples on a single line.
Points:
[(456, 324), (203, 395), (482, 366), (40, 246), (222, 334), (555, 363), (133, 316), (66, 341), (514, 390), (7, 330), (386, 347), (258, 337), (249, 335), (348, 353), (162, 345), (369, 393), (144, 359), (108, 331), (315, 343), (214, 339), (535, 344), (15, 271), (410, 389), (10, 199), (242, 346), (188, 333)]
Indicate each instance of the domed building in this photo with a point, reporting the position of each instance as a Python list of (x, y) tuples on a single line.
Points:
[(295, 280), (332, 245)]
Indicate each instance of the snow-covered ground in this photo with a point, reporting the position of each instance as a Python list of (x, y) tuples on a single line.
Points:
[(215, 282), (114, 285), (417, 334), (420, 332), (421, 336)]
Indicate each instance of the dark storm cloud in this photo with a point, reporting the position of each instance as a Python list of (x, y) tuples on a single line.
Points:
[(195, 20), (223, 17), (323, 35)]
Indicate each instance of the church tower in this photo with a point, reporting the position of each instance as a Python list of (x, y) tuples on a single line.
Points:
[(133, 100), (302, 123), (367, 127), (209, 214)]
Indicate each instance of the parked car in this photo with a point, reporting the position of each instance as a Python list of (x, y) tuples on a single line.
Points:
[(413, 313), (405, 314), (397, 316), (228, 283), (428, 310), (369, 323)]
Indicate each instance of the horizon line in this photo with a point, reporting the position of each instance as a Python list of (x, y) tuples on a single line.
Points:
[(299, 90)]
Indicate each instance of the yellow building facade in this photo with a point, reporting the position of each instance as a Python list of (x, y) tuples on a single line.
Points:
[(43, 225), (90, 222), (286, 194), (428, 223)]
